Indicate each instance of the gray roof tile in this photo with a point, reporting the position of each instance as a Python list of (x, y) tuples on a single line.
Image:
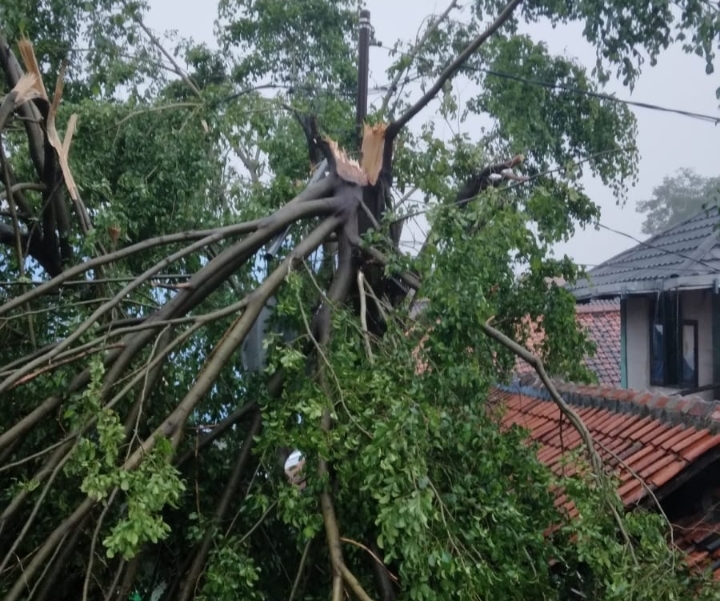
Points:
[(687, 254)]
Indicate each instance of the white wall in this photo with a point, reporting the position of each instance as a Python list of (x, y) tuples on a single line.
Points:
[(697, 305)]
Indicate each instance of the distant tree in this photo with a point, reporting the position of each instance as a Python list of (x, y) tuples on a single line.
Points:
[(679, 196)]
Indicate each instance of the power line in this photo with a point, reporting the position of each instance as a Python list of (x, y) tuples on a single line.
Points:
[(417, 76), (598, 95), (712, 268), (504, 75), (576, 90)]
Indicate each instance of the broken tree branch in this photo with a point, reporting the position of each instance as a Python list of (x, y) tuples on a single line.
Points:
[(173, 424), (28, 111)]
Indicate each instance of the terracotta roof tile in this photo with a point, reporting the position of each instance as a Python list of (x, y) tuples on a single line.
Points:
[(652, 432), (629, 487), (701, 447), (655, 466), (699, 537), (631, 450), (640, 433), (684, 445), (667, 473), (655, 448), (601, 320), (664, 439)]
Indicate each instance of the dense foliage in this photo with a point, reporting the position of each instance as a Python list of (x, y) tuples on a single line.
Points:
[(140, 460)]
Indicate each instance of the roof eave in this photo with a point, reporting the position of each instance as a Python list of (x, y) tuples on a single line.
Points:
[(630, 288)]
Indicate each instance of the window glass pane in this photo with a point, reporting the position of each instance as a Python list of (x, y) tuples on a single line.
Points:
[(689, 356), (657, 359)]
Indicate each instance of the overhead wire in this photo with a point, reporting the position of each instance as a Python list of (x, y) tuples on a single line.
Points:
[(576, 90), (598, 95), (495, 73), (510, 76), (544, 84), (712, 268), (647, 244)]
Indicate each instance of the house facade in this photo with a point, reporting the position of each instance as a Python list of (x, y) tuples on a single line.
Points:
[(669, 290)]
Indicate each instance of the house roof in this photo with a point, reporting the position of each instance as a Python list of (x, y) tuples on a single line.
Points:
[(649, 441), (685, 255), (652, 435), (601, 319)]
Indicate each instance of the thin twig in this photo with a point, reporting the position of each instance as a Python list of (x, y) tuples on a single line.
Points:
[(33, 456), (452, 68), (321, 353), (18, 240), (217, 430), (49, 565), (300, 570), (156, 42), (643, 483), (378, 255), (314, 192), (158, 108), (35, 510), (93, 543), (363, 316), (410, 58), (378, 303), (370, 552), (257, 524)]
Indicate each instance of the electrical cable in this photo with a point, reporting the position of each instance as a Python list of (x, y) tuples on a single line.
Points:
[(712, 268), (575, 90), (599, 95)]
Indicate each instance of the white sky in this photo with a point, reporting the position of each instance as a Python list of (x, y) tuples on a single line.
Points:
[(666, 142)]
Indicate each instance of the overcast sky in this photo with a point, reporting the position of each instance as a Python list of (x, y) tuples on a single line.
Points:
[(666, 142)]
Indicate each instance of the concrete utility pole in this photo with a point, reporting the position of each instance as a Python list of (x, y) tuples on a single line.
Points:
[(363, 71)]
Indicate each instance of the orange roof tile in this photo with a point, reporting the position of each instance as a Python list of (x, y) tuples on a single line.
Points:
[(699, 537), (601, 320), (638, 434), (645, 439)]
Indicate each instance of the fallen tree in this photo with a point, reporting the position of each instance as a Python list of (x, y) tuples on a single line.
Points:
[(139, 457)]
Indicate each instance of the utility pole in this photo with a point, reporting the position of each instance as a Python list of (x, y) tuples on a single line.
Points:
[(363, 71), (252, 351)]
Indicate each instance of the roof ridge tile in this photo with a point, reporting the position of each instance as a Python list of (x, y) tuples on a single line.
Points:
[(691, 410)]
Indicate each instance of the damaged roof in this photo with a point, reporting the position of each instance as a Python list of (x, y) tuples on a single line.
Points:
[(687, 255)]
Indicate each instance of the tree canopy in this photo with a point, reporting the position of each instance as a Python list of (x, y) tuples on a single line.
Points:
[(679, 197), (161, 198)]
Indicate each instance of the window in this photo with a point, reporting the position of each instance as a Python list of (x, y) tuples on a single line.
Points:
[(664, 313), (673, 344)]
